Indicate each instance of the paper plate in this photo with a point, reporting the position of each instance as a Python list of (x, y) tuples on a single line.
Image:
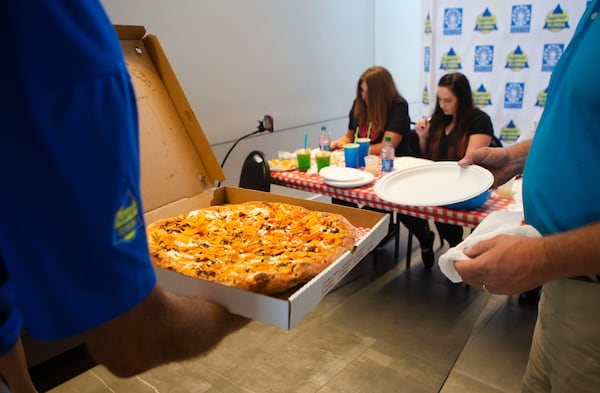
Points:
[(364, 180), (283, 165), (340, 174), (437, 184), (407, 162)]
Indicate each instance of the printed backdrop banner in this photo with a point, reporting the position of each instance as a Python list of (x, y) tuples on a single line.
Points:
[(507, 50)]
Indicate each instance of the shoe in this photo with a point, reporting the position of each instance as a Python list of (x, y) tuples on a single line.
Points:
[(427, 254)]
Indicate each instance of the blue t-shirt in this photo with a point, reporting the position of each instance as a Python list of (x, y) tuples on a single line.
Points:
[(72, 234), (561, 186)]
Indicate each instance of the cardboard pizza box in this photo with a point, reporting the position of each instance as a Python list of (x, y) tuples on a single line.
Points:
[(178, 174)]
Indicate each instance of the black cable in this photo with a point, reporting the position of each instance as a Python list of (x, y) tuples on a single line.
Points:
[(260, 128)]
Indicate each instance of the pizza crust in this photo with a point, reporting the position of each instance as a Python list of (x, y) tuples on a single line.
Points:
[(264, 247)]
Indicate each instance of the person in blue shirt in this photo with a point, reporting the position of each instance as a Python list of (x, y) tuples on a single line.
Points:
[(72, 235), (560, 196)]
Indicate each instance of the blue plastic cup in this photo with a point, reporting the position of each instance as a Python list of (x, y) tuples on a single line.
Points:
[(363, 150), (351, 154)]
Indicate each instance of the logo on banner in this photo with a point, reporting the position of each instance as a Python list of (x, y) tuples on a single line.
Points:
[(513, 95), (484, 58), (425, 98), (520, 20), (450, 61), (552, 52), (482, 97), (428, 24), (557, 20), (427, 59), (510, 132), (486, 22), (453, 21), (541, 98), (516, 60)]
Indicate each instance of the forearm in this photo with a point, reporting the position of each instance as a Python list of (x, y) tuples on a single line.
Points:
[(513, 264), (13, 368), (517, 155), (573, 253), (423, 144), (162, 329), (375, 149)]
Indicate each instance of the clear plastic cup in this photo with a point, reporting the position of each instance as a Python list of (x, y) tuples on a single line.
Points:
[(363, 150), (371, 163), (505, 190)]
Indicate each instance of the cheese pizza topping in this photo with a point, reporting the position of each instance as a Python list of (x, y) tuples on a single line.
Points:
[(265, 247)]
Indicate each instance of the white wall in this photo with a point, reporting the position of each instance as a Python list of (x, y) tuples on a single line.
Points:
[(297, 60), (398, 27)]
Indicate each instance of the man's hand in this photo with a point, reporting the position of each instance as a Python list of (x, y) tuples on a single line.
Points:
[(504, 163), (506, 264), (163, 328)]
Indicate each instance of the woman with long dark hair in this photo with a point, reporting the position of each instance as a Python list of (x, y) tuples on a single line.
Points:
[(456, 127), (377, 111)]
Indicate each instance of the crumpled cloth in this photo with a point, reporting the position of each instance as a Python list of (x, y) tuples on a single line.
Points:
[(497, 223)]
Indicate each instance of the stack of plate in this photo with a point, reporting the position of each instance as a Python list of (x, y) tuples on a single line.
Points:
[(339, 176), (437, 184)]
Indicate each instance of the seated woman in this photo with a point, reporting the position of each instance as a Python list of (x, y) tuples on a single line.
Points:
[(377, 111), (456, 127)]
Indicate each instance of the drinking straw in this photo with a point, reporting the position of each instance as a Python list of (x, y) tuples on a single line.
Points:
[(356, 134), (369, 132), (305, 141)]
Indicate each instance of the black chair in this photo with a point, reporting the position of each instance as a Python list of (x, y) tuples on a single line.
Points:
[(256, 174)]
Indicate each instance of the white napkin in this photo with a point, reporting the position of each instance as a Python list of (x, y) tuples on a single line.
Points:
[(497, 223)]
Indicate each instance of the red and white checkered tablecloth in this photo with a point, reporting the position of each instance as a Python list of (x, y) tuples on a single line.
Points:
[(366, 195)]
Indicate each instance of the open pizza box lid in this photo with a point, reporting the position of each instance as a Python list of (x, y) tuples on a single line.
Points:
[(176, 159), (178, 173)]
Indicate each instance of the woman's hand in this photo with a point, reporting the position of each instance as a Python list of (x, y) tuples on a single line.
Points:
[(339, 144), (422, 128), (336, 145)]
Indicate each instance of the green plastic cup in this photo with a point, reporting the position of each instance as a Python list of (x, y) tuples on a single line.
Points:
[(303, 157), (323, 159)]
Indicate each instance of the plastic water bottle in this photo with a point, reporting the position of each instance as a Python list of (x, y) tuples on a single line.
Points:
[(387, 155), (324, 139)]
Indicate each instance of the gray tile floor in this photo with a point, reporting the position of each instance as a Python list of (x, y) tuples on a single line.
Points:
[(383, 329)]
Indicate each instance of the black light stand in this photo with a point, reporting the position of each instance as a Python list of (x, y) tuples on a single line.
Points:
[(265, 125)]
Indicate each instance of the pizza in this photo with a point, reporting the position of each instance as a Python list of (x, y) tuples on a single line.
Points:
[(264, 247)]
